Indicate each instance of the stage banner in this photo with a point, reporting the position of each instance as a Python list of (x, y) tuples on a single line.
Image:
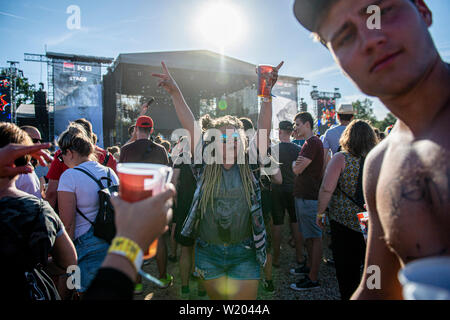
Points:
[(284, 104), (5, 99), (78, 94), (327, 114)]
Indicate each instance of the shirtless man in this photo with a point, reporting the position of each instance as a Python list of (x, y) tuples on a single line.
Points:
[(407, 176)]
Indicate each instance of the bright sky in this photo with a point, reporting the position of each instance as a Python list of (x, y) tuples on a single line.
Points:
[(266, 34)]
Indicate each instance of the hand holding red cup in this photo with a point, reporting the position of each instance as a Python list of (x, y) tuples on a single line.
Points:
[(139, 181), (267, 77)]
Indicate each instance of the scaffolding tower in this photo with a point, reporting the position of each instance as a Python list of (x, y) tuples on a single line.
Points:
[(33, 57)]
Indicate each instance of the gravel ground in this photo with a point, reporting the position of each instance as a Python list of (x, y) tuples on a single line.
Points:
[(281, 276)]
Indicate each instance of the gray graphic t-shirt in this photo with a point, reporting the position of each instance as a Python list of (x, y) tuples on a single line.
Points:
[(229, 222)]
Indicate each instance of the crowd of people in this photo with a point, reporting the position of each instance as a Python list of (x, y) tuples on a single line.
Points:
[(227, 210)]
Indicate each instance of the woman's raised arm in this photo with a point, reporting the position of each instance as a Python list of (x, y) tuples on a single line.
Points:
[(184, 114)]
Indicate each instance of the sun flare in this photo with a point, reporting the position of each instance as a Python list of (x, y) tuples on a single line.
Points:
[(220, 24)]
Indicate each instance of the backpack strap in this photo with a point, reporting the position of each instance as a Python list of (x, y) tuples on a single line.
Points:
[(350, 198), (90, 175), (109, 180), (85, 218), (106, 158)]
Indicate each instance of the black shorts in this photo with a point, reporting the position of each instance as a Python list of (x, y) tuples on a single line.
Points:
[(282, 201), (180, 214)]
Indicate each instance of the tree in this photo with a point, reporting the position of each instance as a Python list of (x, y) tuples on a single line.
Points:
[(390, 119), (24, 90), (364, 111)]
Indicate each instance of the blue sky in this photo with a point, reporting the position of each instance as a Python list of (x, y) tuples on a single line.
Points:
[(269, 34)]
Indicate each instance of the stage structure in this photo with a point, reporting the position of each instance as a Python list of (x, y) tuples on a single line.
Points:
[(210, 82), (8, 80), (325, 108), (74, 90)]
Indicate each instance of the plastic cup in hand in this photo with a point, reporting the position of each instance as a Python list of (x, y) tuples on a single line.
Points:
[(363, 218), (264, 81), (139, 181), (426, 279)]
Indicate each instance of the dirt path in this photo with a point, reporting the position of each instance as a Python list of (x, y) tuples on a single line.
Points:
[(281, 276)]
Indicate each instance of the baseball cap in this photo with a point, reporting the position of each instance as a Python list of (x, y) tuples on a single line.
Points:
[(345, 109), (286, 125), (308, 11), (144, 122)]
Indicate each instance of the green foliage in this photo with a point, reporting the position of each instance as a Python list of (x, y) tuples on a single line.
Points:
[(386, 122), (364, 111)]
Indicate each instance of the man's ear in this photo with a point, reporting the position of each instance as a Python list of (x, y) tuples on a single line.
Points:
[(424, 11)]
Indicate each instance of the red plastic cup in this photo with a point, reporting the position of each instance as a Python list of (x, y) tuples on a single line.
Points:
[(139, 181), (264, 80)]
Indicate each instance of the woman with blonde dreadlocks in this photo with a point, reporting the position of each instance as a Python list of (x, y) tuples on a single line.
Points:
[(225, 216)]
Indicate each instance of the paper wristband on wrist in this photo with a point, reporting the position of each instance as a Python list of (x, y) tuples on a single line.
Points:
[(129, 249)]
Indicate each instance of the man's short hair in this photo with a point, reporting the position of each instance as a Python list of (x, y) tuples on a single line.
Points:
[(305, 117), (286, 126), (146, 131), (345, 117)]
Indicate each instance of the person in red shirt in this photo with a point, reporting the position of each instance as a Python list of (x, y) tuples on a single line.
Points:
[(57, 167)]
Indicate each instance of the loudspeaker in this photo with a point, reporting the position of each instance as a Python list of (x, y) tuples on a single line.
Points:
[(41, 113)]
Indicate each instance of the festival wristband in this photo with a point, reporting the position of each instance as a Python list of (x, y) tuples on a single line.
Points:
[(129, 249)]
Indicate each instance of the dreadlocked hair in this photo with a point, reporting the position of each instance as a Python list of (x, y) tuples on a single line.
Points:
[(212, 176)]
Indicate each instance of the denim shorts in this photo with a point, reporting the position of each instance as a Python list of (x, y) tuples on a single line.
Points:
[(235, 261), (306, 211), (91, 252)]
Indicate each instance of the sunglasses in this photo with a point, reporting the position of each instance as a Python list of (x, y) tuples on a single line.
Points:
[(37, 140), (235, 136), (60, 156)]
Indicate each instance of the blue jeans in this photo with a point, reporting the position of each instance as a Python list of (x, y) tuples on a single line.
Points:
[(91, 252), (235, 261)]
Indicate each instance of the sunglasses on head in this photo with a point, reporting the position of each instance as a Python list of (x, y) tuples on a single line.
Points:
[(235, 136)]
